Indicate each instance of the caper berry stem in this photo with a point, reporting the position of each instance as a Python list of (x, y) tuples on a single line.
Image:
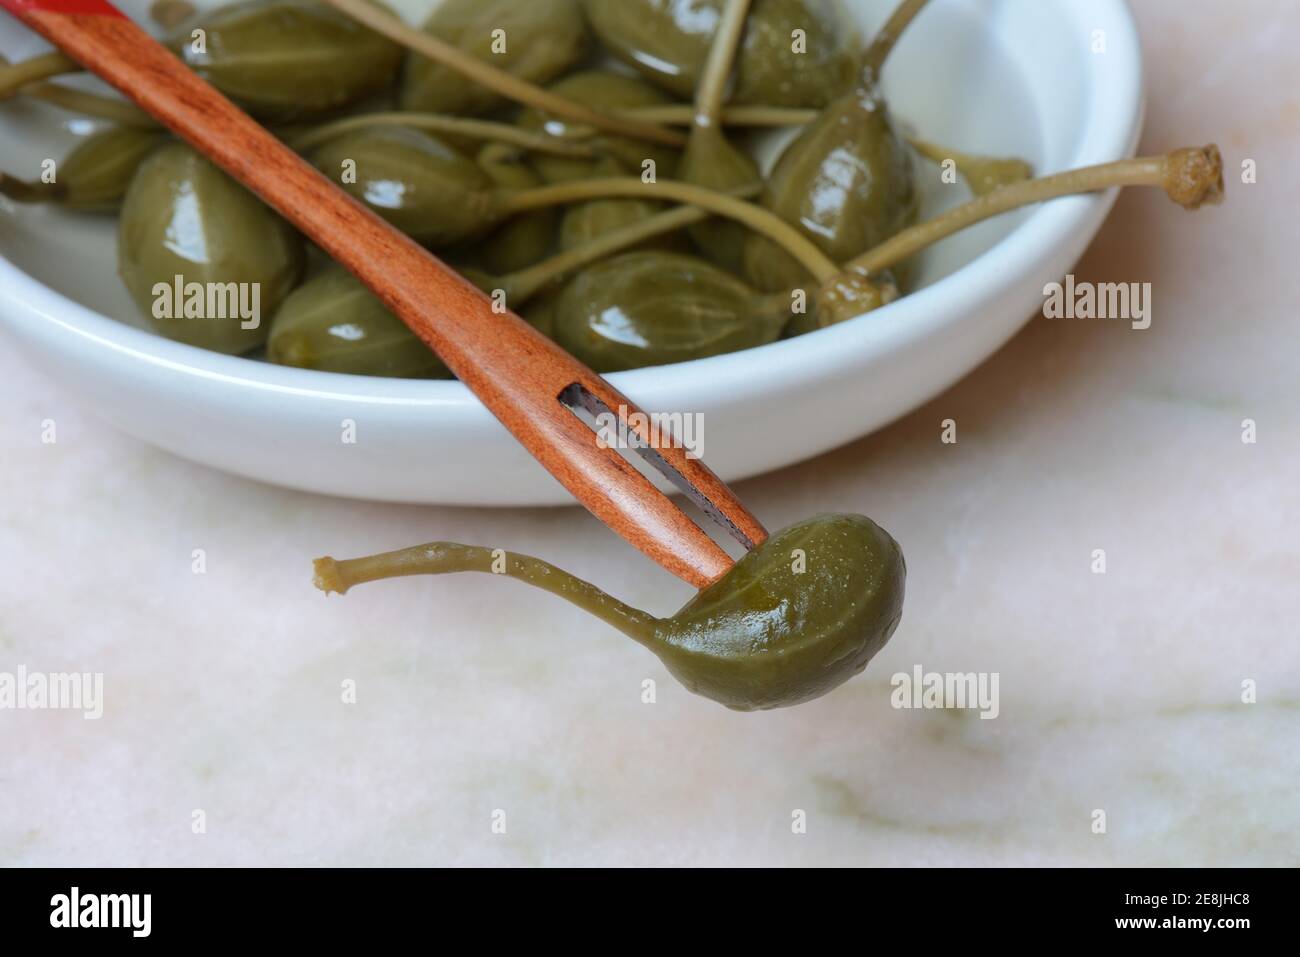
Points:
[(522, 285), (717, 68), (979, 171), (496, 80), (91, 104), (21, 191), (873, 61), (87, 104), (442, 558), (681, 114), (1191, 177), (453, 125), (982, 174), (15, 76), (755, 217)]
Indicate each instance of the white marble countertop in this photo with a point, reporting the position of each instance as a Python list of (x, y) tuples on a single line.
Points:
[(1119, 692)]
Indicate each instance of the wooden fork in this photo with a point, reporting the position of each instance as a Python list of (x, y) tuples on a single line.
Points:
[(525, 379)]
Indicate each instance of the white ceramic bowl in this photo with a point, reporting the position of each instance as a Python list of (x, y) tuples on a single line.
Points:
[(997, 76)]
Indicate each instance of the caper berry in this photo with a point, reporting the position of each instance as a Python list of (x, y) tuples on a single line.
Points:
[(667, 42), (184, 222), (536, 40), (793, 619), (335, 324), (653, 308), (284, 59)]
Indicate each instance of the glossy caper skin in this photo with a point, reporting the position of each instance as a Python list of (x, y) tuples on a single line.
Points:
[(619, 155), (653, 308), (794, 618), (668, 41), (333, 323), (97, 173), (286, 59), (543, 39), (414, 180), (184, 216), (847, 182), (711, 161)]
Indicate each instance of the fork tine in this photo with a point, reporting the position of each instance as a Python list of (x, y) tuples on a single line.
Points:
[(671, 458)]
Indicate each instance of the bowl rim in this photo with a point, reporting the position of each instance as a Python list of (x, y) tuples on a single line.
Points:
[(1108, 134)]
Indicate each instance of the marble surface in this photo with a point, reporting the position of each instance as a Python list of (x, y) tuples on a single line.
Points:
[(1119, 692)]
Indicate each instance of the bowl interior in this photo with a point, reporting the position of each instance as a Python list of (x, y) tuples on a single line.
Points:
[(996, 76), (973, 98)]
